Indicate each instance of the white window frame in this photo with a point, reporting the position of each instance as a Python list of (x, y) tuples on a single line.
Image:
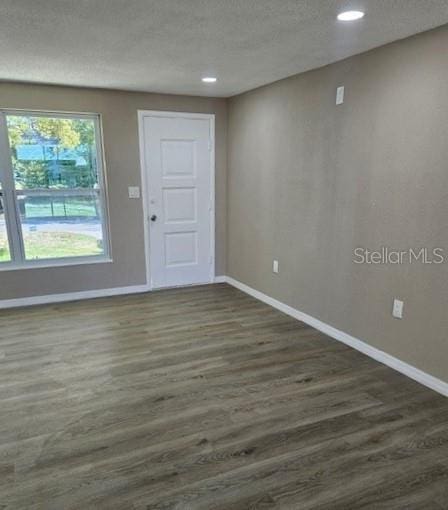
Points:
[(12, 215)]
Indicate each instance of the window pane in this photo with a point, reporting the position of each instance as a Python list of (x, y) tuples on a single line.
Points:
[(57, 185), (5, 255), (58, 225), (52, 153)]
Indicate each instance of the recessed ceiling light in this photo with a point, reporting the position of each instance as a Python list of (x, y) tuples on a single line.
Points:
[(350, 15), (209, 79)]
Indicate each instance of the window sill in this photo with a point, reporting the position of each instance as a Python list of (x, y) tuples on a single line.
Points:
[(55, 263)]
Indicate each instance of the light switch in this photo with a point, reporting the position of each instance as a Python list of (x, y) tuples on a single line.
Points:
[(340, 95), (134, 192)]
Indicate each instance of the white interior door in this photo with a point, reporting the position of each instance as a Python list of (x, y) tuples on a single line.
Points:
[(178, 164)]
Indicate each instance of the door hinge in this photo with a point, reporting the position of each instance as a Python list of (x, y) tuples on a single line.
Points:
[(210, 145)]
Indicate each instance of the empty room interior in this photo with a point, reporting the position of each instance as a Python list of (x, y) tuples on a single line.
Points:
[(224, 254)]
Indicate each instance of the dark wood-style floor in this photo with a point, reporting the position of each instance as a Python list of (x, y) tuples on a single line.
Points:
[(206, 399)]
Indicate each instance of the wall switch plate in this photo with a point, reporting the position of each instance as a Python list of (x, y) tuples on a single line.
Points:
[(134, 192), (275, 266), (397, 310), (340, 95)]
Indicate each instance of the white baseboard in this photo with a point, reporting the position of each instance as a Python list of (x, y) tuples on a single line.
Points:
[(76, 296), (410, 371), (72, 296)]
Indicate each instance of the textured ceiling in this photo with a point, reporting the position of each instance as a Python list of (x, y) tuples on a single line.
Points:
[(167, 45)]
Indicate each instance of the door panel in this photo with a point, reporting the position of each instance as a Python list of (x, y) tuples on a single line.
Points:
[(178, 158), (181, 248), (180, 205), (178, 169)]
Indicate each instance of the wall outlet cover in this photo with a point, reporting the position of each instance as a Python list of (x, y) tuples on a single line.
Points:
[(134, 192), (397, 310)]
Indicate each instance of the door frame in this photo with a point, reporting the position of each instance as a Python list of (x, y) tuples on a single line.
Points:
[(146, 185)]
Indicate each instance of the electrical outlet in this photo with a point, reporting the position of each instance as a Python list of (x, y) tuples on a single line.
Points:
[(397, 310), (340, 95), (134, 192), (275, 266)]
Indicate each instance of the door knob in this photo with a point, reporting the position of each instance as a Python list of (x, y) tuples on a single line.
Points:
[(153, 217)]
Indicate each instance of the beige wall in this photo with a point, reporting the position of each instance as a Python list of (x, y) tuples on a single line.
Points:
[(308, 182), (119, 115)]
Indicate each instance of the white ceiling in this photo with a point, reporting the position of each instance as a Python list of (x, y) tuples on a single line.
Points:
[(167, 45)]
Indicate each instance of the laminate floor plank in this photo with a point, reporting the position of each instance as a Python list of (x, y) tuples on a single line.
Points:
[(206, 399)]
